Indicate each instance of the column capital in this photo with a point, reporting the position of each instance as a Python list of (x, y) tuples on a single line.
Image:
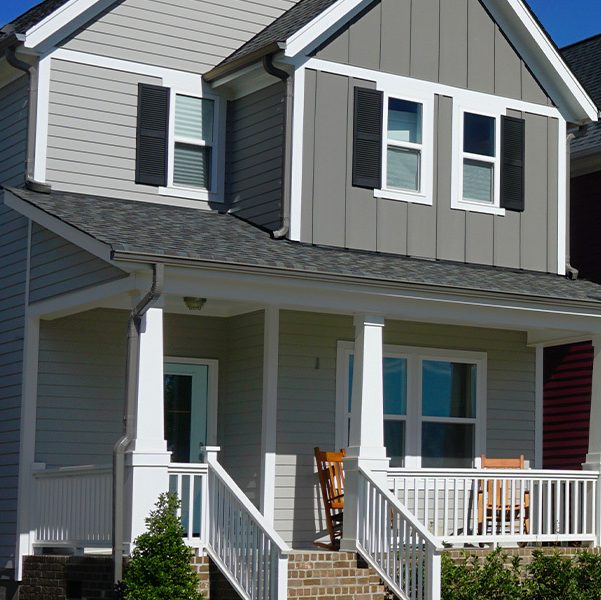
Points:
[(596, 340), (368, 320)]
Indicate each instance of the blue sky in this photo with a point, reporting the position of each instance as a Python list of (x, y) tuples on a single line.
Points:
[(566, 20)]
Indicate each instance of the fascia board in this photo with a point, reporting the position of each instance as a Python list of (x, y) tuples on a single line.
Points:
[(531, 42), (68, 232), (63, 21)]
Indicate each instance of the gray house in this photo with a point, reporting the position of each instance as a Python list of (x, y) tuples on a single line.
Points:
[(266, 226)]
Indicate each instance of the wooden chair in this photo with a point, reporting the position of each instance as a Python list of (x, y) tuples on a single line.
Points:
[(507, 504), (331, 481)]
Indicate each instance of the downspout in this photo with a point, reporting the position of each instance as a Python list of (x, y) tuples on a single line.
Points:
[(32, 74), (131, 383), (272, 70), (571, 272)]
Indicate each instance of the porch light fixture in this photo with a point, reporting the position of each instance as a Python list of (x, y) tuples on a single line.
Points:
[(193, 303)]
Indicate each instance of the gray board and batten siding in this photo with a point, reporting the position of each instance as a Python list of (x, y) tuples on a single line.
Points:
[(336, 213), (255, 156), (14, 107), (185, 35), (81, 386), (306, 414)]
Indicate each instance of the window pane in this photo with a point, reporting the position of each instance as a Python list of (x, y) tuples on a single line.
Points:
[(447, 445), (448, 389), (395, 386), (404, 121), (403, 168), (478, 180), (394, 440), (192, 166), (194, 118), (479, 134), (178, 409)]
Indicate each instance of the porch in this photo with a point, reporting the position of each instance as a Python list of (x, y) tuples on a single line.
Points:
[(278, 382)]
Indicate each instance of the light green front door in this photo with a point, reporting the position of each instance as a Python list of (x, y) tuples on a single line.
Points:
[(186, 403)]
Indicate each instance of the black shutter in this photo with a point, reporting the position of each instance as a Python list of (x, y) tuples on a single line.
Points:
[(367, 138), (152, 135), (512, 163)]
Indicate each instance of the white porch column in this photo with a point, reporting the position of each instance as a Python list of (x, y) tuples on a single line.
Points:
[(366, 440), (147, 459), (593, 458), (269, 415)]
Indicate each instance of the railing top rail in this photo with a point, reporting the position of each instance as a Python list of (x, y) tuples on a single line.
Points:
[(489, 473), (73, 471), (188, 468), (259, 519), (408, 515)]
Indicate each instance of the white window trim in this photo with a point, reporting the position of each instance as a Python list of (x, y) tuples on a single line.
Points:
[(217, 191), (425, 193), (213, 390), (414, 419), (457, 200)]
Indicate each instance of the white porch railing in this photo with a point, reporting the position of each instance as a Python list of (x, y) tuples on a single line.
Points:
[(72, 507), (189, 482), (401, 550), (540, 505), (241, 542)]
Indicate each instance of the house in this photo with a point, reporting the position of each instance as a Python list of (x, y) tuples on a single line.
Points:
[(266, 226)]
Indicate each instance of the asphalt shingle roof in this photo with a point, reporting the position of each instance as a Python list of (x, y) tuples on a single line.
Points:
[(584, 58), (32, 17), (282, 28), (169, 231)]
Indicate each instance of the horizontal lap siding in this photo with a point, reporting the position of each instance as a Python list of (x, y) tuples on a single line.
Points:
[(59, 267), (92, 131), (187, 35), (14, 108), (13, 274), (307, 401), (240, 412), (255, 156)]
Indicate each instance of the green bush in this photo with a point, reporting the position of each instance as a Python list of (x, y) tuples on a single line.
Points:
[(548, 577), (160, 566)]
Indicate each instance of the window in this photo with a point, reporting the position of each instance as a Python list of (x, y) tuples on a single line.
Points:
[(192, 142), (404, 145), (479, 158), (393, 144), (433, 405), (180, 141)]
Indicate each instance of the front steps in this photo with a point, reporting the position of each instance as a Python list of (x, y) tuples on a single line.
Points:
[(325, 575)]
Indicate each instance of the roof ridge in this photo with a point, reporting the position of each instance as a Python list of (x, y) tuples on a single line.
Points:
[(590, 38)]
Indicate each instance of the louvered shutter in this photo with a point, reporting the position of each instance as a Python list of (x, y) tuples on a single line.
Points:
[(367, 138), (152, 135), (512, 163)]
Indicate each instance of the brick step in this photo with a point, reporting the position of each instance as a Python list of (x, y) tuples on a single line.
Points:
[(314, 575)]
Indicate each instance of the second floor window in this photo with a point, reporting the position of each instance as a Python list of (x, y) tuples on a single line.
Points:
[(404, 145), (192, 142), (479, 158)]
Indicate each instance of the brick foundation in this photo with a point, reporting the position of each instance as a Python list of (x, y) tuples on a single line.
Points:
[(525, 554), (66, 577)]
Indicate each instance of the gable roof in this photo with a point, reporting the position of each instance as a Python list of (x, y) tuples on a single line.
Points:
[(32, 17), (312, 22), (584, 58), (141, 230)]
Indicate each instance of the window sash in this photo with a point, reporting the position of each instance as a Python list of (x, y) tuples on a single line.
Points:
[(414, 419)]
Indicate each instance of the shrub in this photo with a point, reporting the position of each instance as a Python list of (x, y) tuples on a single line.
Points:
[(548, 577), (160, 566)]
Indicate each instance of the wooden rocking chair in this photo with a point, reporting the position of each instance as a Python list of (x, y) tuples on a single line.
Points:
[(504, 503), (331, 481)]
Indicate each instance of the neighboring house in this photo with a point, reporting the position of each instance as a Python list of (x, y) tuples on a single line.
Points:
[(221, 219)]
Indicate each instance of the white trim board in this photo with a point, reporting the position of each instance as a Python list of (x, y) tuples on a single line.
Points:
[(41, 121)]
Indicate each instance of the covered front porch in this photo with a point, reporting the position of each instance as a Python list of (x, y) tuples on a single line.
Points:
[(417, 389)]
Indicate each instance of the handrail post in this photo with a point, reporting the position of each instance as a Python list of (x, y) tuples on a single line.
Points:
[(279, 578), (209, 456), (433, 580), (351, 505)]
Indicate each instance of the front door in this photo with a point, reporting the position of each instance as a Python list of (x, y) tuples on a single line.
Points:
[(187, 401)]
